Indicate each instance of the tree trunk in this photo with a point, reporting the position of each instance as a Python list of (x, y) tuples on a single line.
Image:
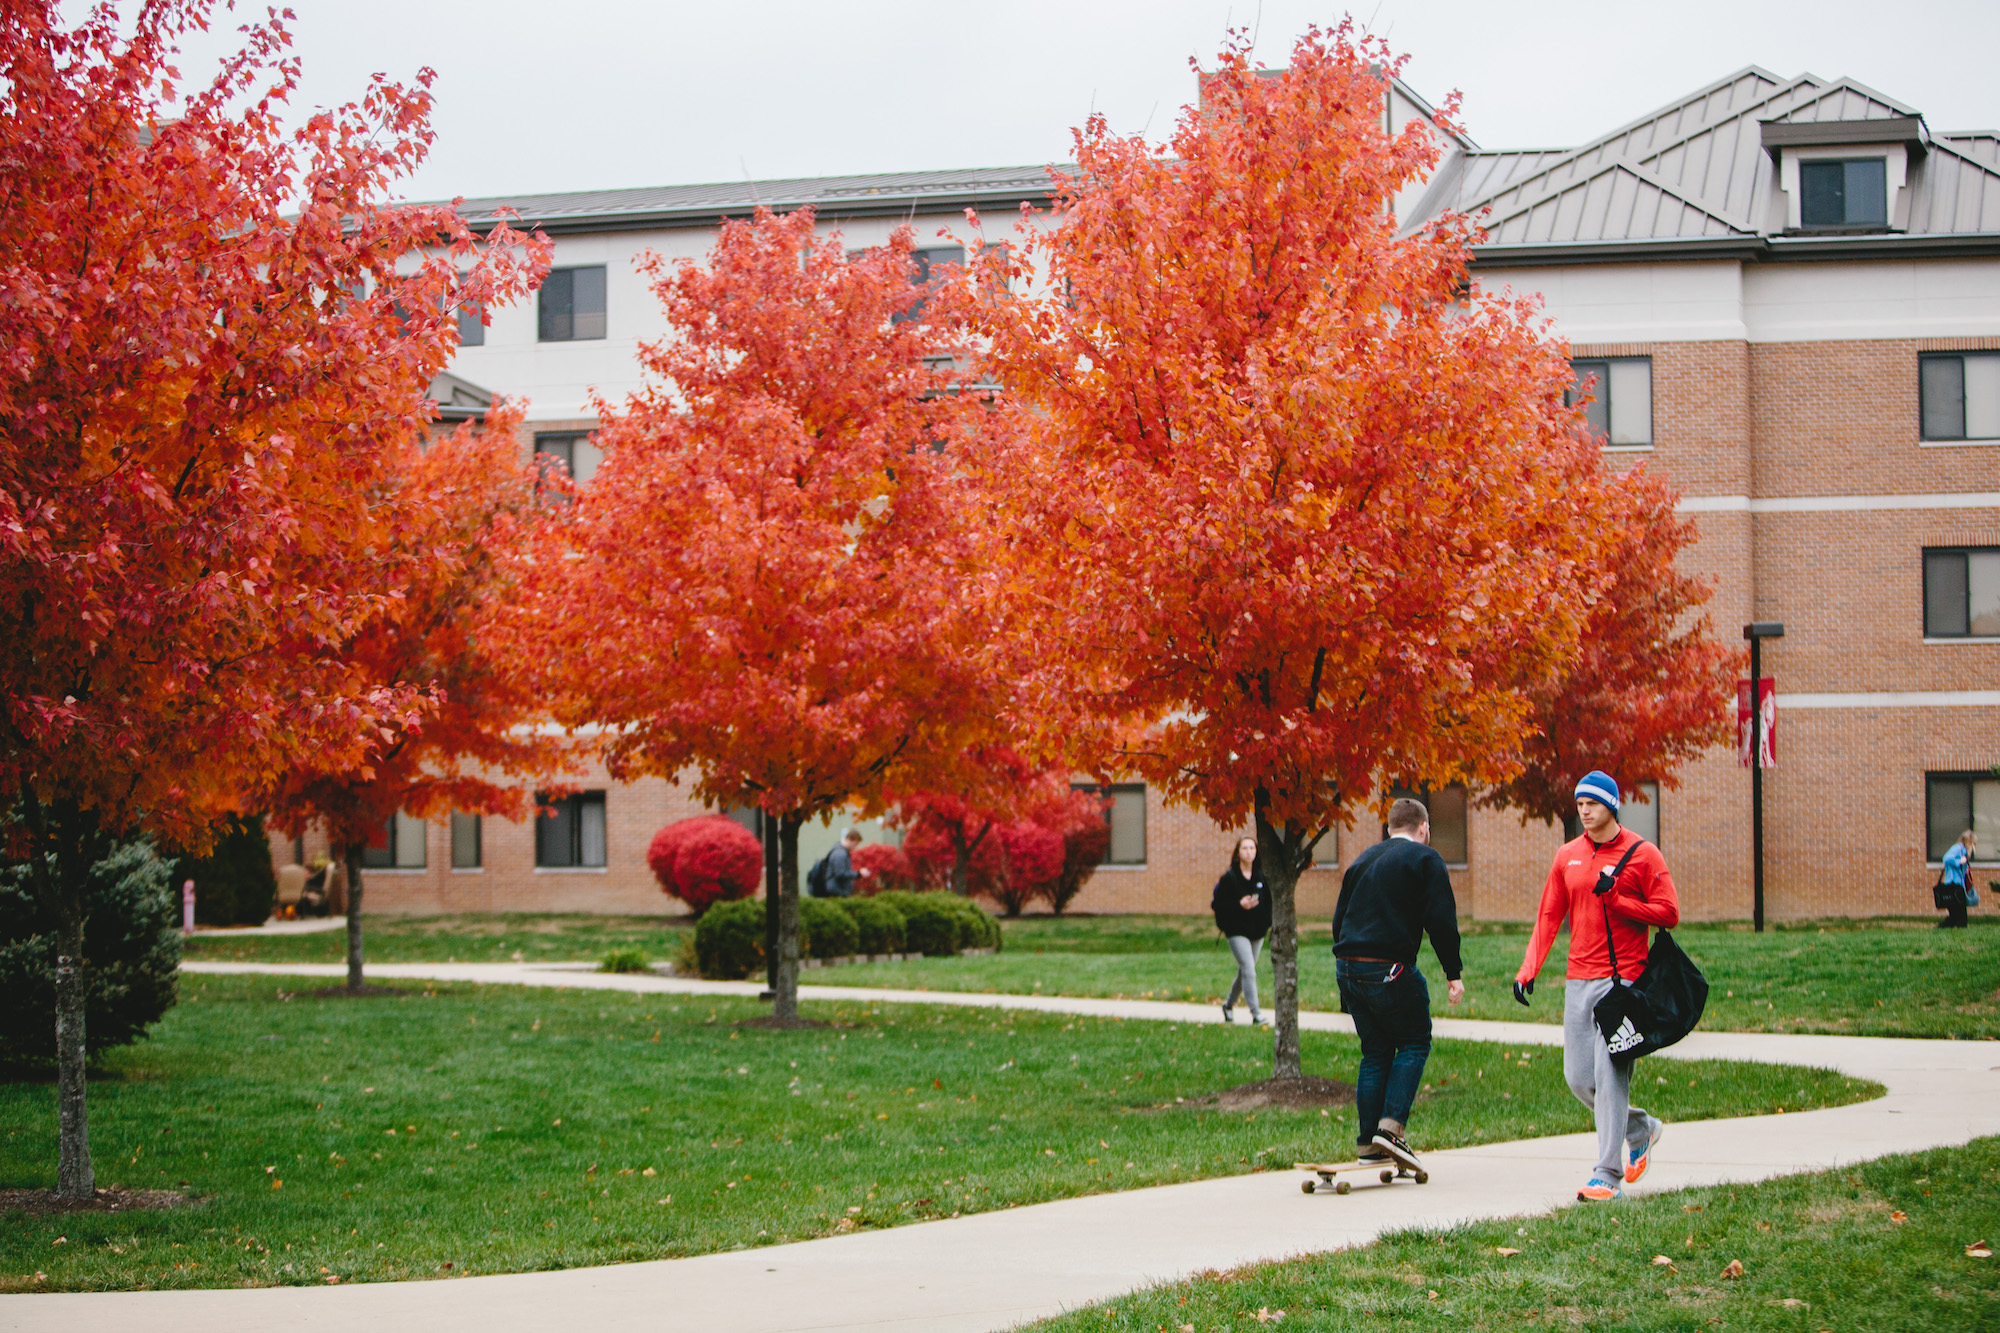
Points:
[(1280, 853), (74, 1177), (1572, 827), (785, 997), (66, 843), (352, 857)]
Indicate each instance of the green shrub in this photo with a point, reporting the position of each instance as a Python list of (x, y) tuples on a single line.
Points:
[(938, 924), (879, 925), (625, 960), (825, 930), (729, 940), (234, 885), (131, 947)]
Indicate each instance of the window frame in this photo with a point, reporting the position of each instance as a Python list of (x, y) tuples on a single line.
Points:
[(459, 819), (564, 280), (1925, 405), (1603, 396), (1971, 777), (1426, 795), (1815, 164), (1113, 790), (1932, 634), (574, 804), (568, 440), (1651, 787), (386, 857)]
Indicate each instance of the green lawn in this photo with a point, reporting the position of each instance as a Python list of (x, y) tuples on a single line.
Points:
[(1897, 978), (1824, 1251), (494, 1129)]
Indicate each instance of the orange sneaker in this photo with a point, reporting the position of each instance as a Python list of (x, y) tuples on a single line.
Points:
[(1599, 1190), (1640, 1157)]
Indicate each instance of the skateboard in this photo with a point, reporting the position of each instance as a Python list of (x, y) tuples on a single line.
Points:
[(1386, 1172)]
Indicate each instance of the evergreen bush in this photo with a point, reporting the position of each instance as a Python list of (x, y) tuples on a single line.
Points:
[(131, 947), (234, 885), (879, 925), (729, 940), (939, 923), (826, 930)]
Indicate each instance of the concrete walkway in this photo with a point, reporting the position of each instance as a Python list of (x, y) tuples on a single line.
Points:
[(994, 1270)]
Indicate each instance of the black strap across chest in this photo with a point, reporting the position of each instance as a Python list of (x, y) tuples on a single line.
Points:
[(1605, 901)]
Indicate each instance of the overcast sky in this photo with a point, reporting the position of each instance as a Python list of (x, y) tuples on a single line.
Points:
[(594, 94)]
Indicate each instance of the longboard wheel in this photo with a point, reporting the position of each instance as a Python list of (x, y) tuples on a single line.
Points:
[(1388, 1176), (1307, 1186), (1344, 1187), (1423, 1177)]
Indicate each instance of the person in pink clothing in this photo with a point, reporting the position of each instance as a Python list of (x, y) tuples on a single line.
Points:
[(1581, 890)]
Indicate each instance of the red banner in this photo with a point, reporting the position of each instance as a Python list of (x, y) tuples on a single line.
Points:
[(1767, 704)]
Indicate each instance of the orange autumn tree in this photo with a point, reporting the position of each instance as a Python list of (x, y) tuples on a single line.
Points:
[(769, 581), (1648, 687), (195, 412), (448, 516), (1309, 510)]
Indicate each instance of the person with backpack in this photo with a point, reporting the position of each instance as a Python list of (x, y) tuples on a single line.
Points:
[(833, 875), (1393, 894), (1609, 876), (1242, 907)]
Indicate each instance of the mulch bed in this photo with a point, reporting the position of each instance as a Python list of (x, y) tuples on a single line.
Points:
[(47, 1203), (1297, 1094)]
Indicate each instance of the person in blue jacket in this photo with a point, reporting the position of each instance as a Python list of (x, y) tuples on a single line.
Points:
[(1242, 906), (1957, 868)]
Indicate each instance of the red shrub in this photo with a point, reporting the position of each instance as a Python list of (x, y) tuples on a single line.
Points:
[(1082, 819), (889, 869), (706, 860), (1032, 856)]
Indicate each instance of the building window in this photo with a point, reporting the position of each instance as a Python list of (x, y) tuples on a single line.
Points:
[(570, 832), (1846, 192), (1620, 390), (1127, 817), (1962, 593), (1641, 812), (1448, 810), (464, 841), (573, 450), (928, 263), (471, 325), (1955, 802), (572, 305), (402, 845), (1961, 395)]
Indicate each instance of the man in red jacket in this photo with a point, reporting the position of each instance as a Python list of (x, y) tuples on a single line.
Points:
[(1580, 890)]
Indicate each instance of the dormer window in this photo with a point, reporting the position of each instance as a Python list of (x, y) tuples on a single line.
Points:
[(1844, 192)]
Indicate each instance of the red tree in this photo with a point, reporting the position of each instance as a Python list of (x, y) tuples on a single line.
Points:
[(1648, 688), (775, 585), (196, 416), (1319, 509), (888, 868), (444, 519), (1081, 817), (706, 860)]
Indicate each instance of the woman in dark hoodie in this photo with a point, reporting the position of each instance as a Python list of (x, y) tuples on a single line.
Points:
[(1242, 906)]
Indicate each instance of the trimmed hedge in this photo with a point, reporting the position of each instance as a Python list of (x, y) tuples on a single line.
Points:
[(729, 940), (826, 930), (880, 926), (940, 923), (131, 949)]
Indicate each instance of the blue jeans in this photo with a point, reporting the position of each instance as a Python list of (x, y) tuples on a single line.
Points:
[(1393, 1021)]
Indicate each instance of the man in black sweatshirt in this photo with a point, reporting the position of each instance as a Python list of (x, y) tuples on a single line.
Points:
[(1391, 895)]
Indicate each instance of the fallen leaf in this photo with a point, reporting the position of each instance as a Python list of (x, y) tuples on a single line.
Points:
[(1734, 1268), (649, 1171), (276, 1183), (1506, 1253), (1792, 1303), (1661, 1261), (1979, 1249), (1899, 1216), (1266, 1315)]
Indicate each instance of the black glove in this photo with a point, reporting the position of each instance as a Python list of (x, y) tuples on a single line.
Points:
[(1522, 990), (1606, 879)]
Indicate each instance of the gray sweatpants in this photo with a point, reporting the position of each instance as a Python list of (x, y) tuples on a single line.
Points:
[(1245, 985), (1597, 1082)]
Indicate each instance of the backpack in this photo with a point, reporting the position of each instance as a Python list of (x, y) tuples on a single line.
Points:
[(820, 878), (1662, 1006)]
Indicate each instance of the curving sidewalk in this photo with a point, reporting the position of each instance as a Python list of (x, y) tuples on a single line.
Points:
[(995, 1270)]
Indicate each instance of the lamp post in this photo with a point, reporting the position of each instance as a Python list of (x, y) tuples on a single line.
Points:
[(1757, 632)]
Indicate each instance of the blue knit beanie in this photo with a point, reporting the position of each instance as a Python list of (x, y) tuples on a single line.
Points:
[(1599, 787)]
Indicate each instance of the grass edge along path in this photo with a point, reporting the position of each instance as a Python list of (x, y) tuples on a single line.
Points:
[(1888, 1245), (464, 1130)]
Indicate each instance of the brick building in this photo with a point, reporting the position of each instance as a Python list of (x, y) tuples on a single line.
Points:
[(1788, 293)]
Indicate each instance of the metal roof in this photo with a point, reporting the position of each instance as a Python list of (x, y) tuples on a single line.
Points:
[(893, 195), (1695, 178)]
